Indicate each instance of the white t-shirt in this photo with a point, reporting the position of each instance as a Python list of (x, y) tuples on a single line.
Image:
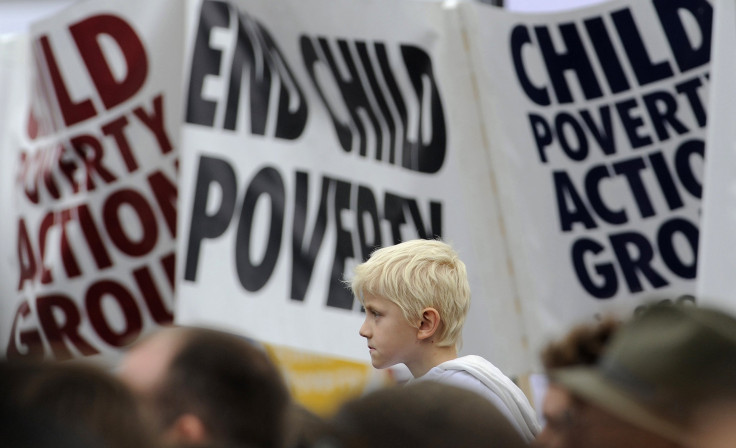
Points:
[(479, 375)]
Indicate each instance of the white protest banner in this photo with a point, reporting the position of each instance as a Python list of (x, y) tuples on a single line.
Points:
[(14, 87), (316, 131), (717, 256), (93, 166), (597, 122)]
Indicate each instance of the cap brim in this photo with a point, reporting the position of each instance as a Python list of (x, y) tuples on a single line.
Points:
[(590, 385)]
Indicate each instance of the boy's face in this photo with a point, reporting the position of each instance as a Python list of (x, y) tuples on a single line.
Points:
[(391, 339)]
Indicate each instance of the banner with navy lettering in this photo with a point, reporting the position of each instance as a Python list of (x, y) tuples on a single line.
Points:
[(597, 124), (91, 152), (316, 131), (718, 242)]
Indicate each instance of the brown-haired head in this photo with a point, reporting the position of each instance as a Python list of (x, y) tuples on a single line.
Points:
[(581, 346)]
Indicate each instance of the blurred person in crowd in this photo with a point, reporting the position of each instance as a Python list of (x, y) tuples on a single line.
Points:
[(659, 370), (714, 425), (581, 346), (24, 427), (423, 414), (87, 405), (208, 387), (714, 421), (416, 296), (304, 427), (13, 375)]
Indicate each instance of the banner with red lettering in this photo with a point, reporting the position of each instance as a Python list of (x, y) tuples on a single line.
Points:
[(316, 131), (92, 160), (718, 241), (597, 123)]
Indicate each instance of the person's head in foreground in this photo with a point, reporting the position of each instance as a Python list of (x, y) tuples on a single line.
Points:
[(202, 386), (659, 371), (583, 345), (65, 404), (416, 296), (423, 414)]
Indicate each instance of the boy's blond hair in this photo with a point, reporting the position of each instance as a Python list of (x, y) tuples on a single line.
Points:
[(415, 275)]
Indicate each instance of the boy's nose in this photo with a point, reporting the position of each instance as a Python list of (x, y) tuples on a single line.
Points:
[(364, 330)]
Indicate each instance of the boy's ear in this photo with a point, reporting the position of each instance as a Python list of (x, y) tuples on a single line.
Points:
[(429, 324)]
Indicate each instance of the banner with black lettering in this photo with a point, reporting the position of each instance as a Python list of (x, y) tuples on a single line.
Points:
[(316, 131), (597, 124), (718, 241), (92, 157)]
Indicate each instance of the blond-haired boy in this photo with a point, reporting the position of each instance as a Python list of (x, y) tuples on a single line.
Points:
[(416, 296)]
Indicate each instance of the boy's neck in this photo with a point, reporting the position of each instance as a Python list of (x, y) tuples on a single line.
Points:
[(433, 357)]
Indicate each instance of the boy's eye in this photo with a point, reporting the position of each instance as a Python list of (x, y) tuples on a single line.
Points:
[(375, 313)]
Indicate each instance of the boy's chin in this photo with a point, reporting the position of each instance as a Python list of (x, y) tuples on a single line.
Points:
[(382, 365)]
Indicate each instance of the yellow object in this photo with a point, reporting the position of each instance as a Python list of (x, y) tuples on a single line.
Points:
[(322, 383)]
